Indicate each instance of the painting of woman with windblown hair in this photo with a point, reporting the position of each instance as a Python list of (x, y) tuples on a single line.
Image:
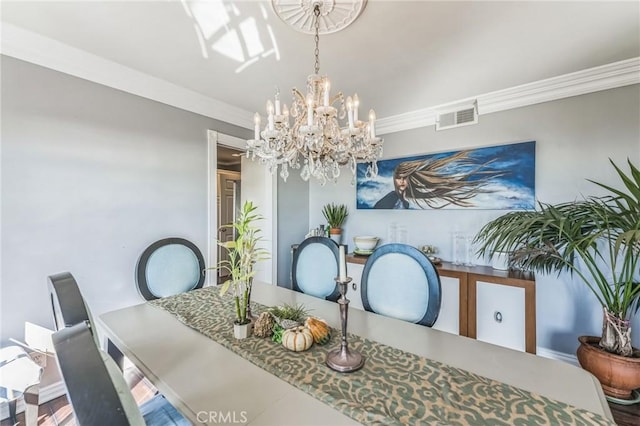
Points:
[(492, 178)]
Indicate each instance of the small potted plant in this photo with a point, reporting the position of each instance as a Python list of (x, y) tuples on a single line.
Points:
[(243, 253), (335, 214), (597, 240)]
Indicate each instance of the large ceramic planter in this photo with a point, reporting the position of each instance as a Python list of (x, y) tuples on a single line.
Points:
[(618, 375)]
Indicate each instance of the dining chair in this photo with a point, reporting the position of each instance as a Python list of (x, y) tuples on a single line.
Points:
[(96, 388), (169, 266), (399, 281), (68, 306), (19, 378), (315, 267)]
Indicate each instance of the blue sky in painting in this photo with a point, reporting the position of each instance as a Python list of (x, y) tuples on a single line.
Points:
[(515, 190)]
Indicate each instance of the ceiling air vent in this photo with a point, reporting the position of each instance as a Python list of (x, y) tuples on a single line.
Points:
[(462, 115)]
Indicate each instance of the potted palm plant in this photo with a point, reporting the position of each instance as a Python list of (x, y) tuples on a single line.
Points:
[(243, 253), (335, 214), (597, 240)]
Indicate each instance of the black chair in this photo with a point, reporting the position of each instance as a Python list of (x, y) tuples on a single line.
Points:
[(96, 388), (169, 266), (69, 308), (67, 303), (315, 267), (399, 281)]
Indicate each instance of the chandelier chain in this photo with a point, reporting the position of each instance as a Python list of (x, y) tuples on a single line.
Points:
[(316, 12)]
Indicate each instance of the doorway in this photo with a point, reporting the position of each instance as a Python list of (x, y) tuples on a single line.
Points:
[(256, 184), (228, 179)]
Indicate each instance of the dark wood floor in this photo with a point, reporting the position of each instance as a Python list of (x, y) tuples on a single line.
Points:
[(58, 411), (626, 415)]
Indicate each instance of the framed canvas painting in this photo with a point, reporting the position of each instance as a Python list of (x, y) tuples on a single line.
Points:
[(499, 177)]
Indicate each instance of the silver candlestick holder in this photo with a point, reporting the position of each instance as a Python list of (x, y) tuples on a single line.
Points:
[(343, 359)]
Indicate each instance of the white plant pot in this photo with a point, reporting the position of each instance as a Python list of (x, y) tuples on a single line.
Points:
[(337, 236), (500, 261), (242, 331)]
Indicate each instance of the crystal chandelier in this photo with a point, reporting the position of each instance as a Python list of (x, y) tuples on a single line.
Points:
[(310, 137)]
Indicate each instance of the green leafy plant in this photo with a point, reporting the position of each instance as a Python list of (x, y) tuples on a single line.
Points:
[(277, 334), (335, 214), (243, 252), (596, 239), (297, 313)]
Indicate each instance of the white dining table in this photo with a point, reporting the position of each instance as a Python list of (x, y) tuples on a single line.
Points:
[(210, 384)]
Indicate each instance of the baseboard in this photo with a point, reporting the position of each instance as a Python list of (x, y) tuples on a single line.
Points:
[(560, 356), (47, 393)]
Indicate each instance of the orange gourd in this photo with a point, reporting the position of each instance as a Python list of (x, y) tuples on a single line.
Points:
[(319, 330)]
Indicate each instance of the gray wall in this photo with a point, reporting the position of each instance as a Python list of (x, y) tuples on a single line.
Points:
[(575, 137), (90, 177), (293, 221)]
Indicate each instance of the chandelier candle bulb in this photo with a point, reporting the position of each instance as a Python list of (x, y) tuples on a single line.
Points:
[(310, 110), (372, 123), (327, 87), (356, 104), (343, 265), (256, 121), (350, 111), (270, 114), (278, 102)]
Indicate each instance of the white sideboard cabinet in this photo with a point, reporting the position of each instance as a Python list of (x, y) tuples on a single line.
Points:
[(480, 302)]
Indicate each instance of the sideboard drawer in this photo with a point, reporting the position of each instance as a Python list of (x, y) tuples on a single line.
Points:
[(500, 315), (502, 311)]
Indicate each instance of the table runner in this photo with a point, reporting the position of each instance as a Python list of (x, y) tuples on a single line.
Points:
[(393, 388)]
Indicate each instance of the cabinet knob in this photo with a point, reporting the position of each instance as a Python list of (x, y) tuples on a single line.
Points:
[(497, 316), (354, 286)]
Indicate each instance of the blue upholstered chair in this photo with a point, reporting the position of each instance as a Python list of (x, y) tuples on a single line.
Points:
[(96, 388), (315, 267), (399, 281), (169, 266)]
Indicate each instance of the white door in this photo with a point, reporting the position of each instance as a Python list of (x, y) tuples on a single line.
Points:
[(259, 186), (227, 184)]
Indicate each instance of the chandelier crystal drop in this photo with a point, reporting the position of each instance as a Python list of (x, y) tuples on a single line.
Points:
[(309, 136)]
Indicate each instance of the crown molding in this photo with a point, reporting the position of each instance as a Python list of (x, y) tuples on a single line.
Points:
[(37, 49), (610, 76), (31, 47)]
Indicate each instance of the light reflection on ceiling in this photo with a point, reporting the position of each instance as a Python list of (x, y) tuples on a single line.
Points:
[(222, 27)]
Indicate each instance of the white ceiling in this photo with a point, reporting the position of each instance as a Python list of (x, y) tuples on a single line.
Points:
[(398, 56)]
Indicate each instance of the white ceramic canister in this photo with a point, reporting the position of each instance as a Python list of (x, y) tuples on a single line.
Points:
[(500, 261)]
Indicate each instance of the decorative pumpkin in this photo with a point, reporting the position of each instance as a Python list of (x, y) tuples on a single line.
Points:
[(319, 330), (297, 339)]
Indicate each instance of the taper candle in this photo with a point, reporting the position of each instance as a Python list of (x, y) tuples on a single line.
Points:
[(343, 264)]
